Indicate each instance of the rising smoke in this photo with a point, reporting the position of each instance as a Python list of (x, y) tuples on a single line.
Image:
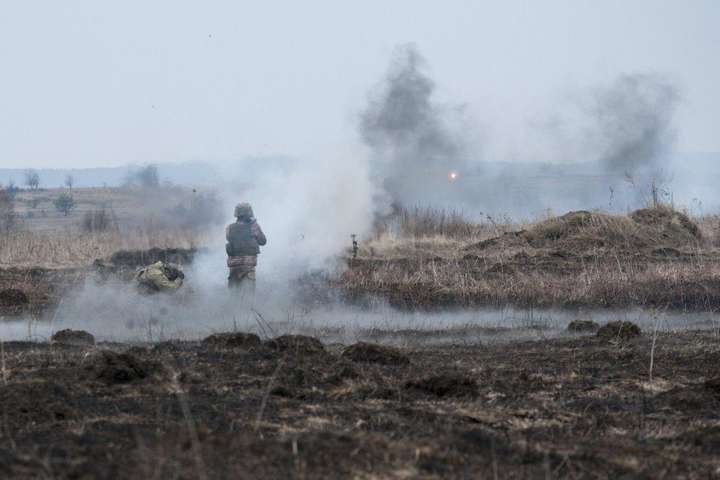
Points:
[(623, 130), (310, 207), (632, 123), (413, 145)]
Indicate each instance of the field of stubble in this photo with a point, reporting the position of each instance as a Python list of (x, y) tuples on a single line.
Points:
[(594, 404)]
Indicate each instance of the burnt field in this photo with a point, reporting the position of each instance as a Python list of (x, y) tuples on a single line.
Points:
[(606, 406), (444, 401)]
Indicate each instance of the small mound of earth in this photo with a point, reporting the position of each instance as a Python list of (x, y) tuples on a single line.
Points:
[(507, 240), (297, 344), (72, 337), (112, 367), (232, 340), (619, 330), (660, 229), (713, 385), (13, 297), (675, 226), (342, 371), (373, 353), (166, 347), (583, 326), (138, 258), (583, 230), (452, 385)]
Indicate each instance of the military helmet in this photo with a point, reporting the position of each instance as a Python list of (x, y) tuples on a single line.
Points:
[(243, 210)]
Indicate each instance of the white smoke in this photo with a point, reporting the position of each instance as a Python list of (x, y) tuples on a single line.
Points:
[(308, 208)]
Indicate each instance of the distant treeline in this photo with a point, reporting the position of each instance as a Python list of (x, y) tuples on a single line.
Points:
[(177, 174)]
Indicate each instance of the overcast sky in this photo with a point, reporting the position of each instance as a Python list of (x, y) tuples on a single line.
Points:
[(89, 83)]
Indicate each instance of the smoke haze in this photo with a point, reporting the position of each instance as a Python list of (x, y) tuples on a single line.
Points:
[(413, 146), (633, 127), (421, 153)]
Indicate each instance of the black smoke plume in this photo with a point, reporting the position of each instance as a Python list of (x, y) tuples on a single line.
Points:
[(633, 123), (412, 142)]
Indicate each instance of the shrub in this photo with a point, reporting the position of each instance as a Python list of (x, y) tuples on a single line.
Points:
[(8, 218), (98, 221), (64, 203)]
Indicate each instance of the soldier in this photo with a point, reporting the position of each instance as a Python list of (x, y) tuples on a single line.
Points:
[(244, 238)]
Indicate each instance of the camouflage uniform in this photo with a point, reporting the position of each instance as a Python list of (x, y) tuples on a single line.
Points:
[(244, 239)]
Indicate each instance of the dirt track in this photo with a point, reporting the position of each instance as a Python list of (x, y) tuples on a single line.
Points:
[(235, 407)]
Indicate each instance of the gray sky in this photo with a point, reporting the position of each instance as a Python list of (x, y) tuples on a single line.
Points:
[(88, 83)]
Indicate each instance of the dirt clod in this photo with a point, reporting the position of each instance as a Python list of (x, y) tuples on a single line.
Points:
[(373, 353), (297, 344), (13, 297), (233, 340), (112, 367), (713, 385), (452, 385), (583, 326), (72, 337), (619, 330)]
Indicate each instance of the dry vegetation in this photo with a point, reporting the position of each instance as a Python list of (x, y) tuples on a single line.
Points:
[(104, 220), (77, 249), (654, 257)]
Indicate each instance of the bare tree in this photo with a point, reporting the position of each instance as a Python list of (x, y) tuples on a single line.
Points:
[(32, 179), (69, 181)]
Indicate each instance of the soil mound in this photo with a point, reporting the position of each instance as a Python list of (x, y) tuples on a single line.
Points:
[(13, 297), (649, 228), (453, 385), (300, 344), (72, 337), (672, 225), (112, 367), (619, 330), (232, 340), (583, 230), (373, 353), (169, 346), (583, 326), (140, 258), (506, 240)]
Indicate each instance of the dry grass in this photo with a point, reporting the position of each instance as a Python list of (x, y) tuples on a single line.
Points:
[(106, 220), (128, 207), (424, 284), (653, 257), (429, 232), (75, 249)]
